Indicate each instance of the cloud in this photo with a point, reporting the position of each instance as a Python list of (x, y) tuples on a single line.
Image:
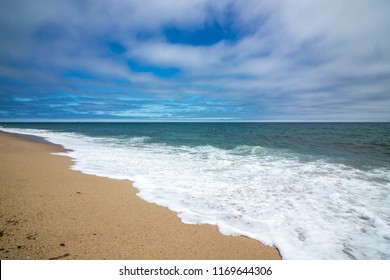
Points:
[(264, 60)]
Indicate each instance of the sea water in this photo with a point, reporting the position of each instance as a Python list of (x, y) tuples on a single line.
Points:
[(313, 190)]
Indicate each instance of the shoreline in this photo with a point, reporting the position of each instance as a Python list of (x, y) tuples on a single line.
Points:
[(49, 211)]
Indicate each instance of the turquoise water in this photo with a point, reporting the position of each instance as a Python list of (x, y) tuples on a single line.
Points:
[(363, 145), (314, 190)]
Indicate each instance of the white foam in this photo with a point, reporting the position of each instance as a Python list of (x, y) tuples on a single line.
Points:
[(308, 210)]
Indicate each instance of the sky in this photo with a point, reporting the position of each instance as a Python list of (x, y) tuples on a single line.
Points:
[(198, 60)]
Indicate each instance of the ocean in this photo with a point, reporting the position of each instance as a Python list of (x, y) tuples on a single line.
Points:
[(313, 190)]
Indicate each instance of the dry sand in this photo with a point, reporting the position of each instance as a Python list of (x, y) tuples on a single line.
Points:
[(50, 212)]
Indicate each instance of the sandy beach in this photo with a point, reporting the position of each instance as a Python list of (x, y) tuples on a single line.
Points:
[(48, 211)]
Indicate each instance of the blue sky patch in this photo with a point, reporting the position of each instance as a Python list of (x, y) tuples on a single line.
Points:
[(116, 47), (205, 35), (163, 72)]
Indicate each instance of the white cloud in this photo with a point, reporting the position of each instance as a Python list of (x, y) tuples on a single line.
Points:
[(293, 54)]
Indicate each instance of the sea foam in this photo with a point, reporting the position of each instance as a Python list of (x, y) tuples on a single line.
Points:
[(308, 209)]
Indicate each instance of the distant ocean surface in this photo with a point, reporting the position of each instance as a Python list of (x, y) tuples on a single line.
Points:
[(313, 190)]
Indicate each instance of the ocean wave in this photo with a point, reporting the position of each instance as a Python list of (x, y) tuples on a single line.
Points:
[(309, 209)]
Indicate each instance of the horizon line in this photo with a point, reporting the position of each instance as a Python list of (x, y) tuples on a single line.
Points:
[(194, 120)]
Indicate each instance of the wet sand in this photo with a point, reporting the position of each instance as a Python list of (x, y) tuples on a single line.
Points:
[(48, 211)]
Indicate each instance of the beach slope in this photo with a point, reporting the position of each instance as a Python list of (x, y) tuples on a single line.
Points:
[(48, 211)]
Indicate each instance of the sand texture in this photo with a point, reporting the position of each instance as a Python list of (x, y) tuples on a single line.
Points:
[(48, 211)]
